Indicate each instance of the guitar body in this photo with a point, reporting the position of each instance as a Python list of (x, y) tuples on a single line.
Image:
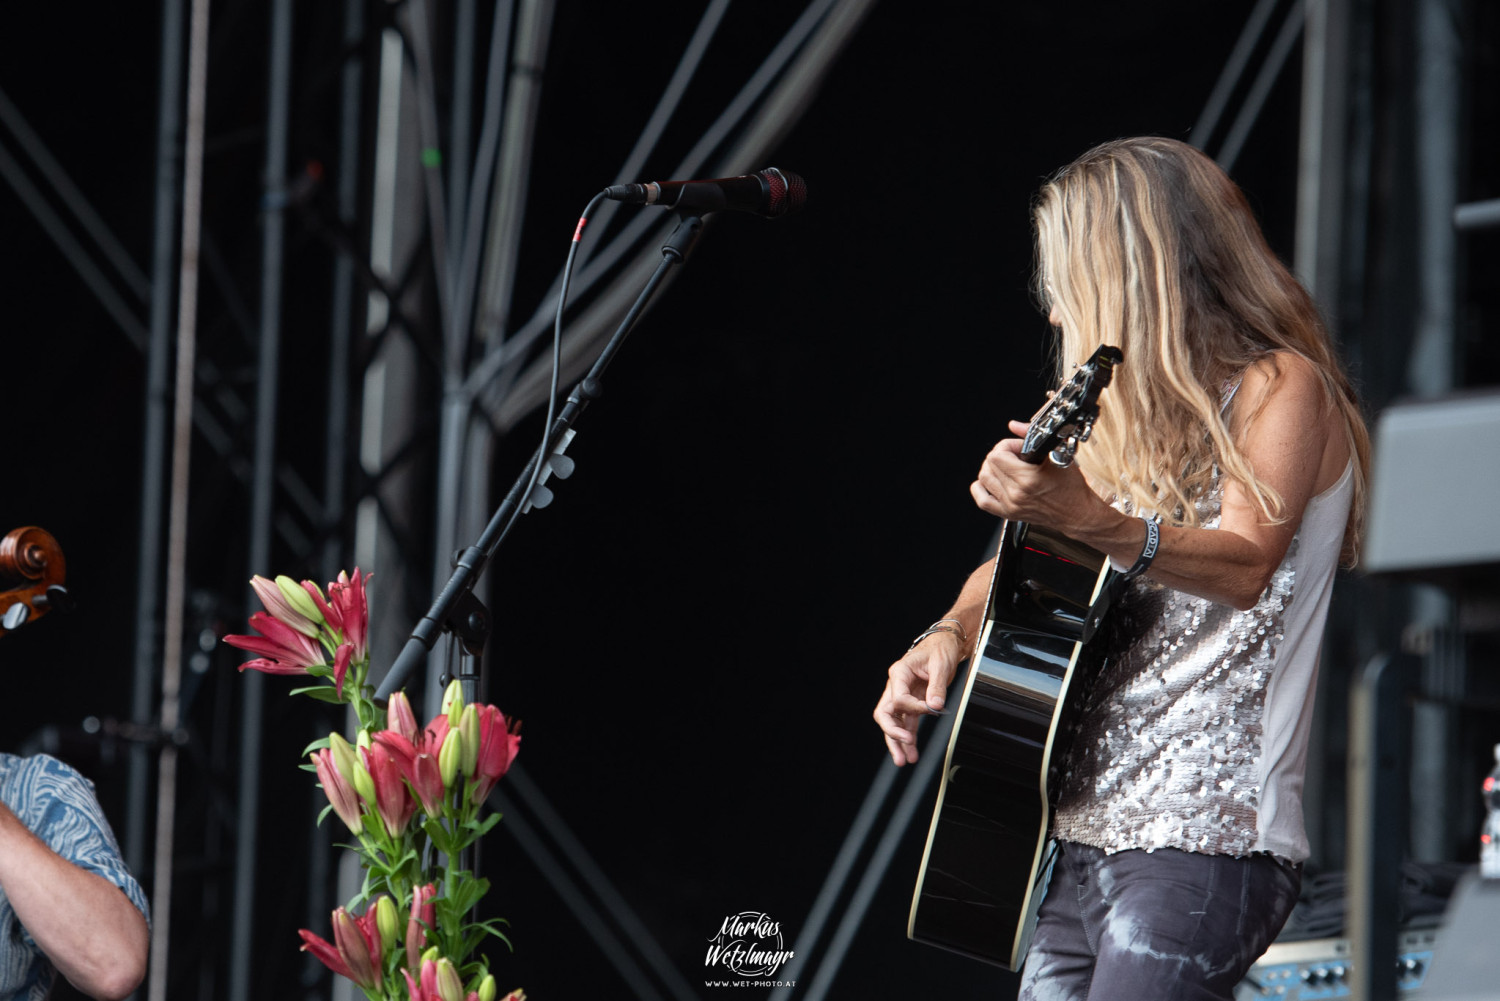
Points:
[(987, 859)]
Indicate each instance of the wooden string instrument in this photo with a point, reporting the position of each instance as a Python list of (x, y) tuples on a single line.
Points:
[(32, 570)]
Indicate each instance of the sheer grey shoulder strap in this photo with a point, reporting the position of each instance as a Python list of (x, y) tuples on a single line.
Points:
[(1227, 391)]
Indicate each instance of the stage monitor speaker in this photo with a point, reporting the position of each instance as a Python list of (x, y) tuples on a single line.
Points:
[(1464, 964), (1435, 477)]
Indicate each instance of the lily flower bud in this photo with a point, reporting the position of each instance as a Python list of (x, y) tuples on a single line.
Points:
[(468, 728), (487, 988), (284, 611), (451, 757), (340, 793), (423, 916), (388, 921), (298, 598), (358, 946), (431, 955), (449, 986), (364, 783), (341, 658), (453, 701), (344, 757), (399, 716)]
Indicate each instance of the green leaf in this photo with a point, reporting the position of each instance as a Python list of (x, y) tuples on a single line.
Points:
[(483, 827), (439, 836), (323, 693), (409, 855), (316, 745), (486, 925)]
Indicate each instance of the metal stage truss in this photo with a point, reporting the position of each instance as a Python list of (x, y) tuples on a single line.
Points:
[(420, 264), (411, 220)]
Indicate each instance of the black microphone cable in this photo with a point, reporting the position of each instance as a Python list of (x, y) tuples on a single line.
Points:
[(544, 454)]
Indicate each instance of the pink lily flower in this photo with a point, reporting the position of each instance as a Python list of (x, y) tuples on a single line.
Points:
[(391, 799), (399, 716), (283, 650), (498, 747), (329, 613), (423, 915), (340, 792), (276, 603), (439, 981), (356, 953), (419, 767), (424, 988), (341, 666), (436, 732), (346, 596)]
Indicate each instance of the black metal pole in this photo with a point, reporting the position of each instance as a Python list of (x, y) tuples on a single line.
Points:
[(242, 934), (154, 437)]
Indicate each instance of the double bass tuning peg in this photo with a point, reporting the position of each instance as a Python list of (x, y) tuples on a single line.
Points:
[(56, 598), (32, 571), (15, 616)]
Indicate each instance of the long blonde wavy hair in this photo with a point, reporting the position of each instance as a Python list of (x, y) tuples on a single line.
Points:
[(1147, 244)]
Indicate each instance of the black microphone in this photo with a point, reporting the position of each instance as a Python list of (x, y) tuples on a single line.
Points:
[(769, 193)]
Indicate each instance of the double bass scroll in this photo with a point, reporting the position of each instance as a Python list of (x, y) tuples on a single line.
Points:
[(32, 571)]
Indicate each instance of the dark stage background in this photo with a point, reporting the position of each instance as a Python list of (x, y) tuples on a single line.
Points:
[(770, 500)]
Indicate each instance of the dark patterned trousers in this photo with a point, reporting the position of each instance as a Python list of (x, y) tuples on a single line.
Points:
[(1166, 925)]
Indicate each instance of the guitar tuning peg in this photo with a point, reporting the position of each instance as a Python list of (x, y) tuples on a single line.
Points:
[(1062, 455)]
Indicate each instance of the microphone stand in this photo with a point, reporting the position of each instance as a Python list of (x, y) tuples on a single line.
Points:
[(456, 610)]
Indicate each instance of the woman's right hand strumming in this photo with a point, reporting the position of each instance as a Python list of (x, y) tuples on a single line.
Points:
[(917, 686)]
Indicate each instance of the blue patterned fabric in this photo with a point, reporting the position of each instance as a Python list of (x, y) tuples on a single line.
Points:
[(58, 805)]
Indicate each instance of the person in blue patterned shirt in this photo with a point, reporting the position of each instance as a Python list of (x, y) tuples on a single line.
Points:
[(67, 902)]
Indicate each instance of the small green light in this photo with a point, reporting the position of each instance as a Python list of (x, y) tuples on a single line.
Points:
[(432, 157)]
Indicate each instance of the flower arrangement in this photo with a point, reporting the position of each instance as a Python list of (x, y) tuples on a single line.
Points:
[(412, 796)]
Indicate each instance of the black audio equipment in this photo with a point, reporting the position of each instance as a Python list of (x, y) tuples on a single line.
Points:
[(1319, 968)]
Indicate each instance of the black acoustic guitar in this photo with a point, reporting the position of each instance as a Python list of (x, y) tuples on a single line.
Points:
[(988, 856)]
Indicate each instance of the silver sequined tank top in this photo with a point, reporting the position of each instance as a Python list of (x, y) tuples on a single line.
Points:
[(1195, 735)]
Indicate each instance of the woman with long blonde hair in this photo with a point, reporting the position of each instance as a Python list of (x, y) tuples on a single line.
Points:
[(1225, 477)]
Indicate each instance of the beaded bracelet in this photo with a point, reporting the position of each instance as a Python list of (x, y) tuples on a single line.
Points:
[(1148, 551)]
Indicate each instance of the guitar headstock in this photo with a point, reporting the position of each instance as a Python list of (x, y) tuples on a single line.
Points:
[(1067, 418)]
